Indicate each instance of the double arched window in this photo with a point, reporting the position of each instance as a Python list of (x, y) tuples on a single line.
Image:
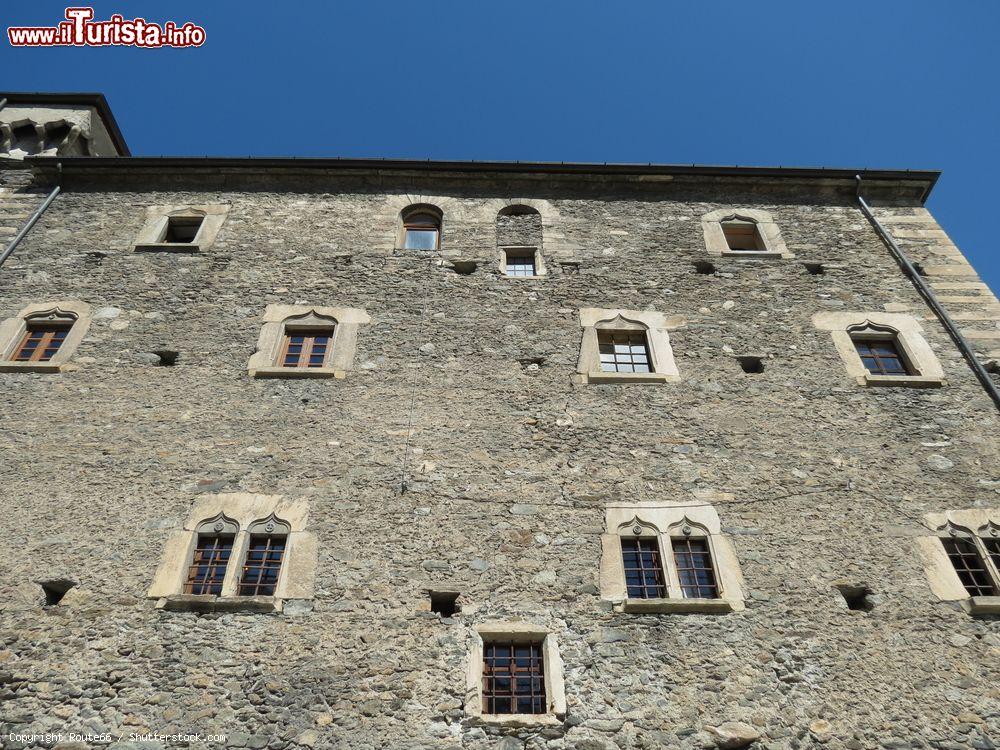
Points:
[(261, 548)]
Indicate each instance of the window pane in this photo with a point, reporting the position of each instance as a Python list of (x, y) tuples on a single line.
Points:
[(421, 239)]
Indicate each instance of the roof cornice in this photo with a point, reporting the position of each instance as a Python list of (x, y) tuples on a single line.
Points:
[(921, 180)]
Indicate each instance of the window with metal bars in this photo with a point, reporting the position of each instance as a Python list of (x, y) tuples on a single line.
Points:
[(208, 568), (514, 678), (40, 342), (306, 348), (262, 565), (970, 566), (993, 550), (881, 356), (644, 577), (695, 570), (519, 262), (623, 351)]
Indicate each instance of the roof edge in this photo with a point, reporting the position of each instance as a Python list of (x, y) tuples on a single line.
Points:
[(926, 178)]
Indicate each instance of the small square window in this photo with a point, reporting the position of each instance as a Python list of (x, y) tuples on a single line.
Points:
[(519, 262), (208, 568), (695, 569), (182, 229), (514, 678), (623, 351), (742, 236), (262, 566), (643, 569), (881, 356), (40, 343), (306, 348)]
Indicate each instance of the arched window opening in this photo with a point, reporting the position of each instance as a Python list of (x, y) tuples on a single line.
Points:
[(742, 235), (880, 351), (213, 550), (44, 335), (265, 553), (421, 228)]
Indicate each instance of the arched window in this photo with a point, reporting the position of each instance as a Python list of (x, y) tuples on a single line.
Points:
[(880, 350), (975, 557), (212, 552), (421, 228), (743, 232), (265, 553), (658, 558), (742, 235), (43, 336), (626, 346)]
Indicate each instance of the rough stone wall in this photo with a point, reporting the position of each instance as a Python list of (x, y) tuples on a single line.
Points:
[(508, 469), (519, 229)]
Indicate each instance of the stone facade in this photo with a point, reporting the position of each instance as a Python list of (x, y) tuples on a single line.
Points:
[(463, 453)]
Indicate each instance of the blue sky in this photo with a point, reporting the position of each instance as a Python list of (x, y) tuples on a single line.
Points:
[(888, 84)]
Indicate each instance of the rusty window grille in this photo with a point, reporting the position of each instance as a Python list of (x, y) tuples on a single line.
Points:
[(513, 679), (993, 550), (263, 563), (306, 349), (421, 231), (643, 569), (41, 342), (519, 262), (623, 351), (881, 357), (208, 569), (694, 568), (970, 566)]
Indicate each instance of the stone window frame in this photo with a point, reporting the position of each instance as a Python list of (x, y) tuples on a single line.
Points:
[(152, 234), (345, 321), (419, 208), (906, 332), (767, 229), (540, 269), (13, 330), (666, 521), (973, 525), (240, 512), (655, 325), (555, 688), (511, 209)]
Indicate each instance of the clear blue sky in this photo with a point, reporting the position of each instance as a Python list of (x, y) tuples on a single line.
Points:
[(893, 84)]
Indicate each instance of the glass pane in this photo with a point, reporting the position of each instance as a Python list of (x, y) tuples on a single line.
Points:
[(421, 239)]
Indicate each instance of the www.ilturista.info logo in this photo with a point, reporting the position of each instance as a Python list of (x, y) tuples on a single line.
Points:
[(80, 30)]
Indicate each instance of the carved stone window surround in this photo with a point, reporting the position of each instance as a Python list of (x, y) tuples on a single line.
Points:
[(13, 330), (152, 235), (768, 233), (974, 525), (655, 325), (665, 521), (243, 514), (905, 331), (345, 321)]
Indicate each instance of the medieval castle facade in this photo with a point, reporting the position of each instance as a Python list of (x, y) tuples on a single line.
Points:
[(439, 455)]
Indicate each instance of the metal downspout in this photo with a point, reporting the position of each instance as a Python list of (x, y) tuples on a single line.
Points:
[(31, 222), (928, 294)]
